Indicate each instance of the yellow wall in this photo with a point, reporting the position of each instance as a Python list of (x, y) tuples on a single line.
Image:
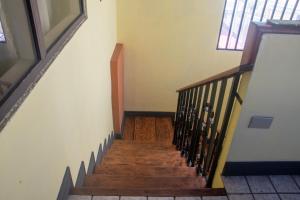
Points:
[(67, 115), (169, 44)]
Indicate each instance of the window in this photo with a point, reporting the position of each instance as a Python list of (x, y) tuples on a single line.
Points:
[(32, 33), (17, 51), (239, 13)]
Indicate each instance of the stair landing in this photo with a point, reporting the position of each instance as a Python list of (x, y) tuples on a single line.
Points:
[(145, 163)]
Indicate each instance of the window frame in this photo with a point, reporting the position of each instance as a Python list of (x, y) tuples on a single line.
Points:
[(20, 90)]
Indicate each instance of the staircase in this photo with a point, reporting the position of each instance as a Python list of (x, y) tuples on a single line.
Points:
[(145, 163)]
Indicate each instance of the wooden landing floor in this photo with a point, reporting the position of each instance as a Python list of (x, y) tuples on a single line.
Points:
[(145, 163), (149, 130)]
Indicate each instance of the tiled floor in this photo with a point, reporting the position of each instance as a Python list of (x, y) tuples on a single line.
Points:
[(238, 188), (262, 187)]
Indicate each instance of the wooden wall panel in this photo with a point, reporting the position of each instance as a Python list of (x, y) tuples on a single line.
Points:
[(117, 86)]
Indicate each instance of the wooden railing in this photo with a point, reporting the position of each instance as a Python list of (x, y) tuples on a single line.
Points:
[(203, 113)]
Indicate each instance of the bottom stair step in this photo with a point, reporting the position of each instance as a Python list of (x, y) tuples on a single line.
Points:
[(132, 182), (148, 192)]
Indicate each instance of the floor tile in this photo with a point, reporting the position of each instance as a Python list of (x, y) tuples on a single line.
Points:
[(266, 197), (160, 198), (240, 197), (78, 197), (290, 196), (236, 184), (215, 198), (284, 184), (297, 179), (260, 184), (133, 198), (106, 198), (187, 198)]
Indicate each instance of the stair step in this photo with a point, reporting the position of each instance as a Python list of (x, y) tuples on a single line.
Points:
[(140, 152), (142, 148), (145, 171), (148, 161), (136, 182), (146, 155), (96, 191)]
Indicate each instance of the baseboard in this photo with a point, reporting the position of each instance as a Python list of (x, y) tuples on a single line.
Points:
[(261, 168), (150, 114), (67, 182)]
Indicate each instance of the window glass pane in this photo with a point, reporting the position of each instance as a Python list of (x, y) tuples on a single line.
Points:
[(56, 16), (297, 13), (247, 19), (228, 14), (2, 36), (289, 9), (236, 24), (279, 9), (17, 53), (269, 10)]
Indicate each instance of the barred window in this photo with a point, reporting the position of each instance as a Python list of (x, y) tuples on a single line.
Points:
[(239, 13)]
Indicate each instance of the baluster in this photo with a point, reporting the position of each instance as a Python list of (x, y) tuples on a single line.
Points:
[(194, 131), (181, 117), (190, 123), (187, 117), (198, 131), (177, 116), (208, 123), (182, 122), (214, 128), (226, 119)]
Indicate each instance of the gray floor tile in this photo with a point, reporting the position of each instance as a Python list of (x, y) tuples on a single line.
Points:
[(187, 198), (290, 196), (240, 197), (284, 184), (133, 198), (266, 197), (78, 197), (297, 179), (160, 198), (236, 184), (215, 198), (260, 184), (106, 198)]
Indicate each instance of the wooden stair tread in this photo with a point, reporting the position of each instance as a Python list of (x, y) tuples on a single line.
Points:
[(146, 171), (141, 155), (144, 162), (136, 182), (148, 192)]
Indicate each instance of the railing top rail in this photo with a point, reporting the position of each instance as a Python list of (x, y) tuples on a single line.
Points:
[(226, 74)]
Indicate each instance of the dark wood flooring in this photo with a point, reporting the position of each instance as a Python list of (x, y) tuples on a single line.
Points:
[(145, 163)]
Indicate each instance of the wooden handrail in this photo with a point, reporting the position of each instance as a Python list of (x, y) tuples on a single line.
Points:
[(223, 75)]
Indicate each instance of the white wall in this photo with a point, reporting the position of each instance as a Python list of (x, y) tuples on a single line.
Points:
[(273, 91), (67, 115), (169, 44)]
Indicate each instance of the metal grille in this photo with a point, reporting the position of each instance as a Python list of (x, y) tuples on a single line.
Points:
[(2, 37), (238, 14)]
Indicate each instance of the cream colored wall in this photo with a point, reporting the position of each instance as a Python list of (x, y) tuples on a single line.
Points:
[(169, 44), (66, 116), (273, 91)]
